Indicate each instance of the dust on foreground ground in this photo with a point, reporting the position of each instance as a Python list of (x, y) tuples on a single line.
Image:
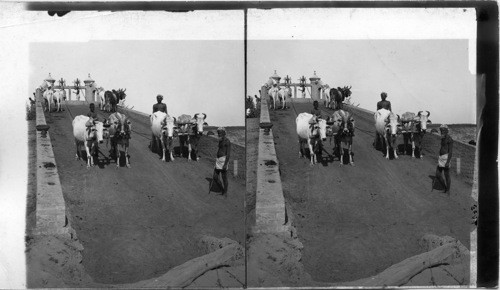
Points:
[(129, 224), (354, 222)]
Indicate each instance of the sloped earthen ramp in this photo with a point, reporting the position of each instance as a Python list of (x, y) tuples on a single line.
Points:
[(136, 224), (357, 221)]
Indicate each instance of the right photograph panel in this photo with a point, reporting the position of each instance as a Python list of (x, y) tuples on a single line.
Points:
[(361, 133)]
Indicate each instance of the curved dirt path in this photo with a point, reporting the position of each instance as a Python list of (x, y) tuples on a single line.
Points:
[(357, 221), (138, 223)]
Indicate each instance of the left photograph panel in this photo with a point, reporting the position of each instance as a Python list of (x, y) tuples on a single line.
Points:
[(135, 149)]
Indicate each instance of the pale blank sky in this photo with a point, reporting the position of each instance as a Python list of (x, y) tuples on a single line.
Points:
[(423, 58), (205, 76), (417, 75)]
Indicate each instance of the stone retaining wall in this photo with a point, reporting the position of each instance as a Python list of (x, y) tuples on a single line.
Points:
[(50, 206), (270, 210)]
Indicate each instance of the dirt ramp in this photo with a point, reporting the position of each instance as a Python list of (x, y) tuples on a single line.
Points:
[(138, 223), (355, 222), (274, 261)]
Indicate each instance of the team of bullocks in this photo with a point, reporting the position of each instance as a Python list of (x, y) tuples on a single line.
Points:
[(313, 129), (90, 130)]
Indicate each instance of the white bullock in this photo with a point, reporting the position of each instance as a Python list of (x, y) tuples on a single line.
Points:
[(421, 122), (423, 119), (190, 131), (100, 94), (163, 126), (279, 94), (343, 130), (326, 96), (415, 128), (408, 127), (88, 133), (387, 126), (120, 130), (273, 94), (284, 93), (48, 96), (58, 97), (310, 130)]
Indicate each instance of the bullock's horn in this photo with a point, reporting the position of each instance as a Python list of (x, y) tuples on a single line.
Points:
[(428, 113), (204, 116), (419, 113), (196, 116)]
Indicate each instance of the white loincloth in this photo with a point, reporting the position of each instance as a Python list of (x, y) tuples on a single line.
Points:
[(219, 162), (442, 160)]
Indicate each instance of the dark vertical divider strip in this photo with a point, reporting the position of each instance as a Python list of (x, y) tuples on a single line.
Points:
[(487, 64), (245, 44)]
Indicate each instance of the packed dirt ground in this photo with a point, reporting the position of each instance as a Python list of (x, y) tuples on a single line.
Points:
[(127, 231), (355, 222), (131, 224)]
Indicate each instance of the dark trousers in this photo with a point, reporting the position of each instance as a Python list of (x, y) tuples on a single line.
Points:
[(224, 179), (439, 177)]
